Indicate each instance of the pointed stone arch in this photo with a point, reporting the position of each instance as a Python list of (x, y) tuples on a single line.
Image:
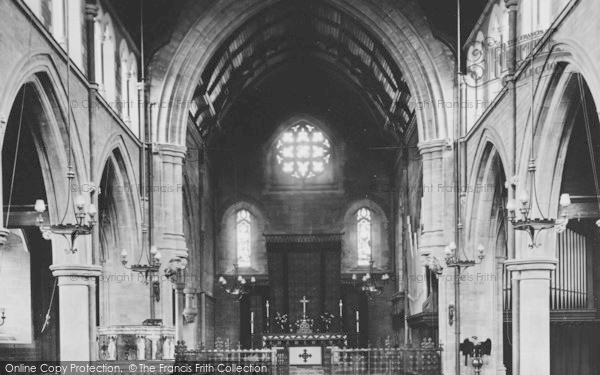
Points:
[(38, 76), (489, 226), (119, 226), (177, 68)]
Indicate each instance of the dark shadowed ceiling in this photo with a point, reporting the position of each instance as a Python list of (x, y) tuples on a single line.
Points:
[(307, 33)]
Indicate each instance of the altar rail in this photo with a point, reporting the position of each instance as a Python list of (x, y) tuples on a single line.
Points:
[(243, 357), (336, 361), (384, 361)]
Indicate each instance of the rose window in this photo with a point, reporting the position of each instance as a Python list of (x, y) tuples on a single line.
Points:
[(303, 151)]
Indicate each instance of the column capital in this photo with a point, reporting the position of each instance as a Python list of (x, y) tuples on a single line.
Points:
[(3, 235), (435, 145), (548, 264), (91, 10), (76, 272), (511, 4), (170, 149)]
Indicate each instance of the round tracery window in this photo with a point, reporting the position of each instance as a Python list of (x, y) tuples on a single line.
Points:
[(303, 151)]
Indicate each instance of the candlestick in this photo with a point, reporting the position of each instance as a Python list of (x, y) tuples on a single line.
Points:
[(268, 312), (357, 321), (252, 322), (341, 308)]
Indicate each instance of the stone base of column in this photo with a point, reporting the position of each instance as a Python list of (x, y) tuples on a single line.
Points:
[(77, 325), (531, 314)]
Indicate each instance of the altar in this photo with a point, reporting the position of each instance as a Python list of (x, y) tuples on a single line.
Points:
[(286, 340), (304, 348), (304, 336)]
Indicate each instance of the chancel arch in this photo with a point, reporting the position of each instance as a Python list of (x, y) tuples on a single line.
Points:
[(361, 77), (394, 90)]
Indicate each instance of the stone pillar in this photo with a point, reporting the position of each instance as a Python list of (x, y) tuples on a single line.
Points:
[(437, 178), (167, 208), (436, 210), (75, 283), (531, 314)]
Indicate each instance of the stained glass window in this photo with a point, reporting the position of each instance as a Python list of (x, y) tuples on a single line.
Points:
[(303, 151), (243, 236), (363, 231)]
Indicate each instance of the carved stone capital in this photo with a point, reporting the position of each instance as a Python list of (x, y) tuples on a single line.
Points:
[(433, 146), (3, 235), (91, 11), (511, 4)]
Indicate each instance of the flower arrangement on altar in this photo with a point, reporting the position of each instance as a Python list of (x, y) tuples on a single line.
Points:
[(326, 321), (282, 322)]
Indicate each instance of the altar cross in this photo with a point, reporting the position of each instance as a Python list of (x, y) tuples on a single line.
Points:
[(304, 301), (305, 355)]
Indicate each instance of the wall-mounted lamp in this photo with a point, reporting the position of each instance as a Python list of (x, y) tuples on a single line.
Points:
[(451, 312), (2, 316)]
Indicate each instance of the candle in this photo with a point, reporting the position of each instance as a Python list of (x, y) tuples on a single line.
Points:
[(267, 309), (357, 321), (341, 306), (252, 323)]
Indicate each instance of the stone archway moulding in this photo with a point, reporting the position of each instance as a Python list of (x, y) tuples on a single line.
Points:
[(52, 147), (559, 97), (177, 67)]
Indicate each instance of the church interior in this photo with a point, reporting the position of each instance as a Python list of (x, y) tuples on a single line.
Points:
[(316, 186)]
